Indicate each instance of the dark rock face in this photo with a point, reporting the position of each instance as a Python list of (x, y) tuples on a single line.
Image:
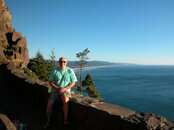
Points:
[(13, 46), (22, 97)]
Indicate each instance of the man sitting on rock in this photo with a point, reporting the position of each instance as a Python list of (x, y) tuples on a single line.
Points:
[(62, 79)]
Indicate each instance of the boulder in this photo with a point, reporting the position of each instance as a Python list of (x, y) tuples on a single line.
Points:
[(146, 121)]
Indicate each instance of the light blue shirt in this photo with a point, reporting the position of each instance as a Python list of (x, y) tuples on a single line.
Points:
[(62, 78)]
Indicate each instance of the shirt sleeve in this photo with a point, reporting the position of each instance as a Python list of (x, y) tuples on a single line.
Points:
[(73, 77), (52, 75)]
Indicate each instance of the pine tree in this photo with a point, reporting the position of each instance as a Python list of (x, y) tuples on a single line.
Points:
[(41, 67), (82, 56), (89, 87)]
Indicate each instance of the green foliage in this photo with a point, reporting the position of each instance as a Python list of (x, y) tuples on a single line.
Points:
[(82, 56), (30, 73), (4, 44), (53, 57), (41, 67), (89, 87)]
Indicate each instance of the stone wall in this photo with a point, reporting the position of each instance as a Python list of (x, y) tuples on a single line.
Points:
[(24, 99), (89, 114)]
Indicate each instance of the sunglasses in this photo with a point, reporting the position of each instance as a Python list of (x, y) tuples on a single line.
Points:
[(62, 61)]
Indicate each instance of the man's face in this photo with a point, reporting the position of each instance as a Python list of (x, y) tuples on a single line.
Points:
[(62, 62)]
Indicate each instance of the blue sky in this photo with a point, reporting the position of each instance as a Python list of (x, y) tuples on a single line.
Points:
[(129, 31)]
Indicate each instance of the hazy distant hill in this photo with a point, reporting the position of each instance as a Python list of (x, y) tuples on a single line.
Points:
[(97, 63)]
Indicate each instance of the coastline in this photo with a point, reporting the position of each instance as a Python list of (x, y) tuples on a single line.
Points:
[(91, 67)]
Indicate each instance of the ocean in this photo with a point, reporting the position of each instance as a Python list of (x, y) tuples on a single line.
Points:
[(142, 88)]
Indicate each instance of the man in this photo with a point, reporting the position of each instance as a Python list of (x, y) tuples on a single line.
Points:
[(62, 79)]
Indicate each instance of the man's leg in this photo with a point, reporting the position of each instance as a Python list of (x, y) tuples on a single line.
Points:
[(49, 109), (65, 100)]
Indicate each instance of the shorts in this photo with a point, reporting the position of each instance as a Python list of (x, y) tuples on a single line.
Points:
[(55, 96)]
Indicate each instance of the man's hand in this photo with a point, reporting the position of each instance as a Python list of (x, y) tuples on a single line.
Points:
[(55, 86), (62, 90), (58, 89)]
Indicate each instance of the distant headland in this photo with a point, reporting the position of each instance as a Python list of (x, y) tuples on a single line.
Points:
[(95, 63)]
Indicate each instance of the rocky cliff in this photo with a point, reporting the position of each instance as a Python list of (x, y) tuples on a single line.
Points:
[(13, 46)]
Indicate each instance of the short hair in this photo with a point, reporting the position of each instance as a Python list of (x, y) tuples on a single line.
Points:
[(62, 58)]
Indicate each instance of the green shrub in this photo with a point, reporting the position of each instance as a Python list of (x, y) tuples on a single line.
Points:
[(30, 73), (4, 44), (41, 67), (89, 87)]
